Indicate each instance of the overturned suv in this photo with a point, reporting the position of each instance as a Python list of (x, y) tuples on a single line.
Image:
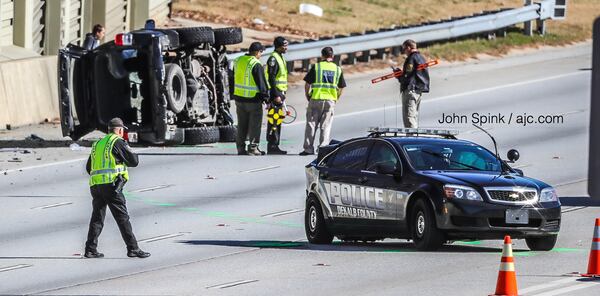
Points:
[(427, 186), (168, 85)]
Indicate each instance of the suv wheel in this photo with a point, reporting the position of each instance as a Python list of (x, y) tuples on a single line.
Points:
[(195, 36), (543, 243), (201, 135), (228, 133), (176, 87), (425, 234), (228, 36), (314, 223)]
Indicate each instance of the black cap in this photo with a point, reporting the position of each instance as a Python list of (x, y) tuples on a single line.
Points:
[(327, 52), (256, 46), (116, 122), (279, 41)]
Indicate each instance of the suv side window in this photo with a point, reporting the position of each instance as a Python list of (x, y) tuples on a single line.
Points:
[(382, 153), (352, 156)]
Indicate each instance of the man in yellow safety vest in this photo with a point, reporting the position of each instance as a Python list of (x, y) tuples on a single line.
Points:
[(323, 88), (277, 74), (107, 167)]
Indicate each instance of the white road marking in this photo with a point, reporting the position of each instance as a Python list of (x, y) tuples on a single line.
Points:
[(521, 166), (570, 112), (151, 188), (260, 169), (569, 289), (161, 237), (277, 214), (570, 182), (232, 284), (9, 268), (459, 94), (52, 205), (572, 209), (547, 285)]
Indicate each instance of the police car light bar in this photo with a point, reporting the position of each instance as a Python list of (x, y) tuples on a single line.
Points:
[(419, 131), (124, 39)]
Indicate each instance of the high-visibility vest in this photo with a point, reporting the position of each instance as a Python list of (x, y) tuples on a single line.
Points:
[(281, 81), (327, 76), (244, 84), (104, 169)]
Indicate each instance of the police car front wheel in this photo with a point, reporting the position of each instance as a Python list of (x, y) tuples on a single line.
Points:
[(425, 234), (314, 223)]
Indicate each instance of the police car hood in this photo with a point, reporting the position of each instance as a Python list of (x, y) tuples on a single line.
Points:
[(484, 179)]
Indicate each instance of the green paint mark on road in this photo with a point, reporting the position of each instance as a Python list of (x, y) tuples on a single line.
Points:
[(525, 254), (468, 242), (567, 250)]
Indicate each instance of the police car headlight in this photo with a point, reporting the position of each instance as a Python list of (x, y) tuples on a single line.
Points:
[(548, 195), (461, 192)]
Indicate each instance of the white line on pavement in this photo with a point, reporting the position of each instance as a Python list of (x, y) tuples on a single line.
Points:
[(569, 289), (277, 214), (160, 237), (52, 205), (547, 285), (570, 182), (9, 268), (260, 169), (150, 188), (232, 284)]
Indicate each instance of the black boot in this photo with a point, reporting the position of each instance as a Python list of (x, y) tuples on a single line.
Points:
[(274, 150)]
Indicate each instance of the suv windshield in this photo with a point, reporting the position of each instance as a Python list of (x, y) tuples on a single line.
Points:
[(451, 157)]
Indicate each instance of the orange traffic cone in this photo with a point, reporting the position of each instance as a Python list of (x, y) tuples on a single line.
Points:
[(507, 279), (594, 261)]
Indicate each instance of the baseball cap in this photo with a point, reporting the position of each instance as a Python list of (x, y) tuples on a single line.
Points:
[(279, 41), (256, 46), (116, 122)]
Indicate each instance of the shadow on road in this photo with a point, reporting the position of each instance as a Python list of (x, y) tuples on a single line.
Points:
[(579, 201), (42, 143), (392, 247)]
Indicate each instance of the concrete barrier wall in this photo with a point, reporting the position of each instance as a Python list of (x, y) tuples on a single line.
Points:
[(28, 91)]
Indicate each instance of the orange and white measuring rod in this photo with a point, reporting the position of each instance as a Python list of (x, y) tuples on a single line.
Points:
[(400, 72)]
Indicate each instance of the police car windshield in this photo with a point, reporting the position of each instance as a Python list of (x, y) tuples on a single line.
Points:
[(451, 157)]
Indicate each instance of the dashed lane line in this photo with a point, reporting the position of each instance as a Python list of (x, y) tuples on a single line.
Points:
[(546, 285), (281, 213), (231, 284), (13, 267), (569, 289), (160, 237), (260, 169), (53, 206)]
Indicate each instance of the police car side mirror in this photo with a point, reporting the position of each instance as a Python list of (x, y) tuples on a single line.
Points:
[(513, 155), (519, 172), (387, 169)]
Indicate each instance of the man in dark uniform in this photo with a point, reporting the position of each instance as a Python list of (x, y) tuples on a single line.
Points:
[(92, 40), (413, 83), (250, 91), (107, 167), (277, 77)]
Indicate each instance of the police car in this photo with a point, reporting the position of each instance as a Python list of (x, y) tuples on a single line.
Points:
[(428, 186)]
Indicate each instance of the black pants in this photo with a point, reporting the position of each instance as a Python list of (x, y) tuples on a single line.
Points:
[(274, 130), (109, 195)]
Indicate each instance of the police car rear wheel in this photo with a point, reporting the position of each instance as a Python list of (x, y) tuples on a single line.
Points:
[(425, 234), (544, 243), (314, 223)]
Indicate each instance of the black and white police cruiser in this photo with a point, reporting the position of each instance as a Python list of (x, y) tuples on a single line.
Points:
[(428, 186)]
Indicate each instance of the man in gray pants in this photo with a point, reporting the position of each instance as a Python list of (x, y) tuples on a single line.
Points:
[(250, 92), (413, 83), (324, 84)]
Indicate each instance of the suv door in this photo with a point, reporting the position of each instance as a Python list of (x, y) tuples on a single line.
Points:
[(340, 176), (392, 185), (74, 92)]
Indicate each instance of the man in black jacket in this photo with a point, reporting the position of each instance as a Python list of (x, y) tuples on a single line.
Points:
[(277, 73), (107, 167), (413, 83)]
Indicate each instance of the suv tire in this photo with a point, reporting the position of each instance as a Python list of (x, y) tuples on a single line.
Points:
[(228, 36), (228, 133), (194, 36), (314, 223), (176, 87), (201, 135), (542, 243), (425, 234)]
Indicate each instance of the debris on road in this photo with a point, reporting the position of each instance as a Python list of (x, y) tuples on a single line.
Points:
[(209, 177), (75, 147), (34, 137), (258, 21), (15, 159)]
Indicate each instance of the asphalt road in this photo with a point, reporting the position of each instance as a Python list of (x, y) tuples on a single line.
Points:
[(221, 224)]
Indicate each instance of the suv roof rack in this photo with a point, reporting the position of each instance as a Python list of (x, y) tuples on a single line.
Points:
[(384, 131)]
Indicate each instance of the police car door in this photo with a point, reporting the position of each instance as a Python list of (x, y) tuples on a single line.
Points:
[(341, 181), (384, 174)]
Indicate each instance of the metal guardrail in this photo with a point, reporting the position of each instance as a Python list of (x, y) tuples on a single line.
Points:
[(443, 30)]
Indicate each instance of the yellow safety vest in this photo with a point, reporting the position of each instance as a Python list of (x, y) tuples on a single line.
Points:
[(244, 84), (104, 169), (281, 81), (327, 76)]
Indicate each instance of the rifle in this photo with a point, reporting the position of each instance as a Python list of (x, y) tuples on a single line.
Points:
[(400, 72)]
